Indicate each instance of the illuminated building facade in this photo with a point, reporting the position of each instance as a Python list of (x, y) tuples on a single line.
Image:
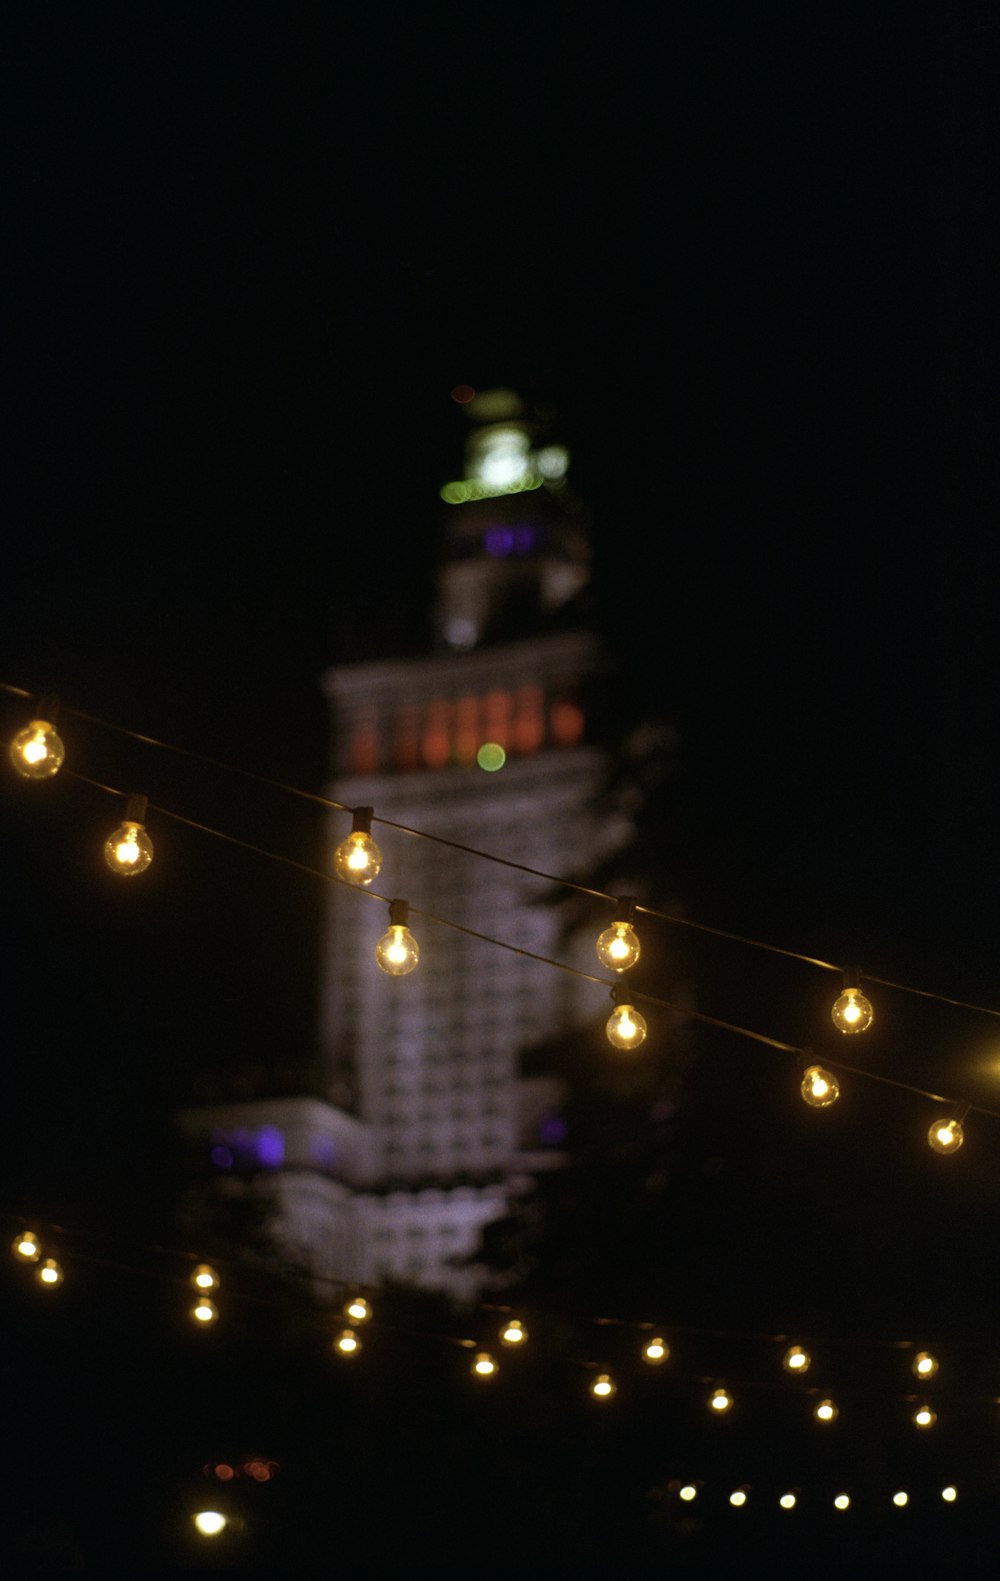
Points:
[(426, 1127)]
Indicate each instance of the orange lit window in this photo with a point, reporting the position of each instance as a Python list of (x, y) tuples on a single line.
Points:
[(364, 750), (466, 729), (406, 746), (497, 710), (566, 721), (435, 745), (529, 719)]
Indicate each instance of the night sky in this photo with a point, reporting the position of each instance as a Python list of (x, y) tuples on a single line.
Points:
[(750, 255)]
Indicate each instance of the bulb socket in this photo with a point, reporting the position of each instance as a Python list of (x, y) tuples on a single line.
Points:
[(399, 913), (362, 820), (625, 909), (135, 809)]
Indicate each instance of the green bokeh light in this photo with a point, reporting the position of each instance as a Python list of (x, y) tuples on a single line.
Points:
[(491, 756)]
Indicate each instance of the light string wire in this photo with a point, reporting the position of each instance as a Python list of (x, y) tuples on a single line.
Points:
[(532, 1316), (637, 995), (488, 856)]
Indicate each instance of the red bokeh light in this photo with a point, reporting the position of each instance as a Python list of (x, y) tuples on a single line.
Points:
[(463, 394)]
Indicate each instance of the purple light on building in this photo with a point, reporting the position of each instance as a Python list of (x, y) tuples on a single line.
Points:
[(270, 1147)]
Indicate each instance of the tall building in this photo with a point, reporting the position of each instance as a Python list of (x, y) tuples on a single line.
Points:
[(426, 1127)]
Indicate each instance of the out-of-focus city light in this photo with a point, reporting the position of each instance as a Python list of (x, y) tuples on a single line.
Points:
[(491, 757)]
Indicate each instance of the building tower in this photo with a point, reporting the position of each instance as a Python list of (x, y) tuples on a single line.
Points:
[(427, 1128)]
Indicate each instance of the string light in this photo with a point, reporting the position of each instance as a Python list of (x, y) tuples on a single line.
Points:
[(901, 1499), (358, 860), (949, 1494), (819, 1087), (720, 1401), (128, 849), (205, 1277), (618, 946), (842, 1501), (738, 1498), (924, 1364), (787, 1501), (37, 751), (655, 1351), (347, 1342), (397, 951), (946, 1136), (27, 1247), (924, 1416), (358, 1310), (688, 1492), (603, 1386), (796, 1359), (826, 1411), (625, 1027), (204, 1311), (210, 1523), (49, 1273), (513, 1333), (484, 1365), (851, 1011)]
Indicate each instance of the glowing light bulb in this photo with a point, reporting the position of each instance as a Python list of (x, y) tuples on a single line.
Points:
[(513, 1333), (901, 1499), (625, 1027), (618, 946), (358, 1309), (787, 1501), (819, 1087), (851, 1011), (210, 1523), (347, 1342), (397, 951), (204, 1311), (128, 850), (720, 1401), (826, 1411), (924, 1364), (483, 1365), (49, 1273), (949, 1494), (358, 860), (603, 1386), (655, 1350), (924, 1416), (946, 1136), (687, 1493), (27, 1247), (37, 751), (842, 1502), (205, 1277), (738, 1497), (796, 1359)]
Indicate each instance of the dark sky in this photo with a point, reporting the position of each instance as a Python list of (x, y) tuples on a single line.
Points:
[(749, 251)]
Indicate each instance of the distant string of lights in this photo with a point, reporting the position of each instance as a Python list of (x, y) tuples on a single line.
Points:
[(37, 753), (651, 1346)]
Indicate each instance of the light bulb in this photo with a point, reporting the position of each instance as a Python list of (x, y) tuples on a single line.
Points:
[(37, 751), (796, 1359), (687, 1493), (720, 1401), (618, 946), (949, 1494), (787, 1501), (49, 1273), (625, 1027), (205, 1277), (924, 1364), (924, 1416), (946, 1136), (129, 850), (826, 1411), (27, 1247), (738, 1497), (210, 1523), (655, 1350), (851, 1011), (819, 1087), (483, 1365), (603, 1386), (204, 1311), (513, 1333), (397, 951), (358, 1309), (842, 1502), (358, 860), (347, 1342), (901, 1499)]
